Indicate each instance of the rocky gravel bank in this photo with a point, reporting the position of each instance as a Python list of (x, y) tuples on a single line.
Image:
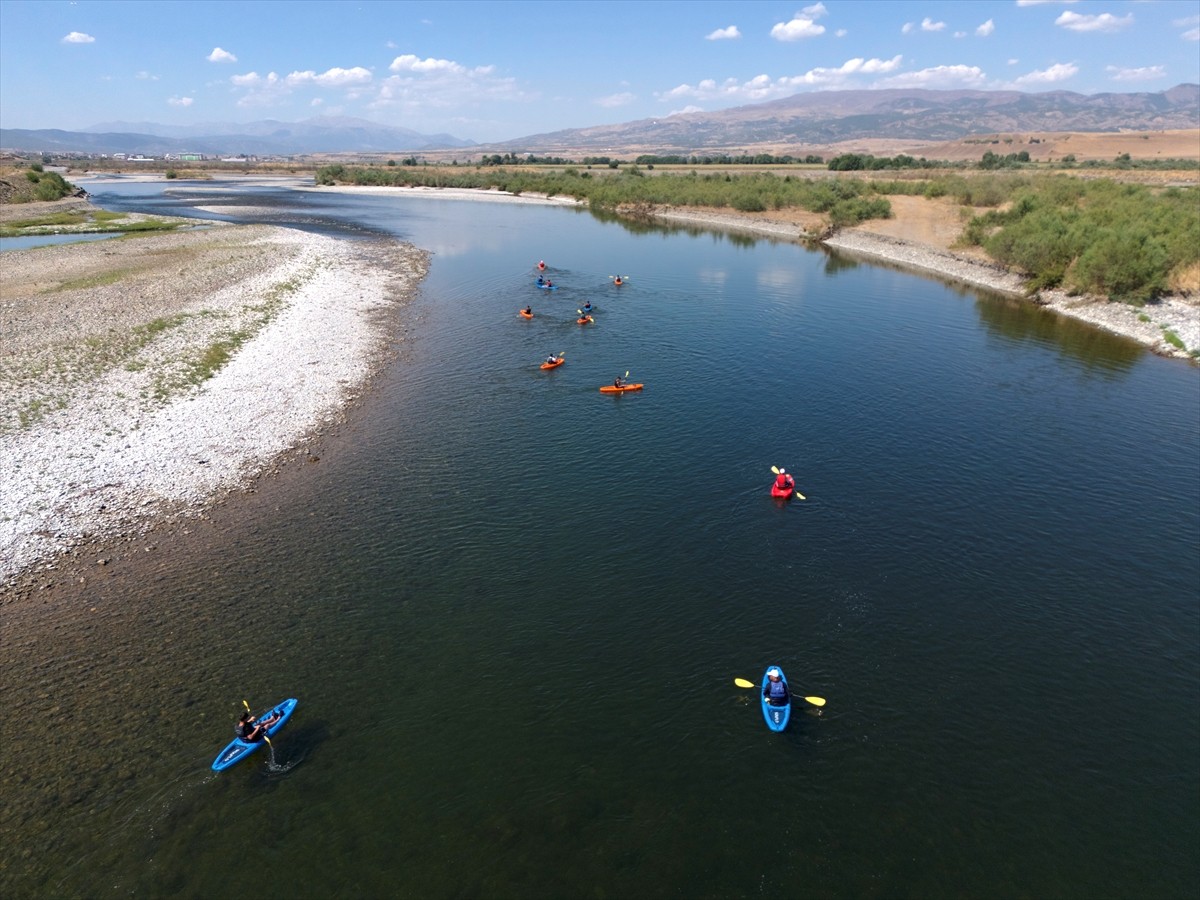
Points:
[(143, 377)]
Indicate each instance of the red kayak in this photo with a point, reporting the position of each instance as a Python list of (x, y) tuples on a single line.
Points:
[(613, 389), (527, 315), (553, 365)]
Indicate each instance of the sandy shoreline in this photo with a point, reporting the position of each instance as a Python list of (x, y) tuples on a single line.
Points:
[(108, 455)]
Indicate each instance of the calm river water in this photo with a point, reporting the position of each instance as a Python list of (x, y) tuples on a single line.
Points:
[(513, 608)]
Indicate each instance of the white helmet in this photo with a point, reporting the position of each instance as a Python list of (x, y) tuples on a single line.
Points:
[(774, 673)]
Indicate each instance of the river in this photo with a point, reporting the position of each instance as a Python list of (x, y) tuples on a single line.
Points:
[(512, 607)]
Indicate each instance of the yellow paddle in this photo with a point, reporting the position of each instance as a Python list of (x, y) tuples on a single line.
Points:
[(798, 494), (743, 683)]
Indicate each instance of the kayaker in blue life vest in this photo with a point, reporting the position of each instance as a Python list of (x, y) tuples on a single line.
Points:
[(784, 481), (775, 691), (587, 307), (250, 730)]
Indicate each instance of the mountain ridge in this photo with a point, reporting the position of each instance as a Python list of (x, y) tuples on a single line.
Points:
[(818, 118)]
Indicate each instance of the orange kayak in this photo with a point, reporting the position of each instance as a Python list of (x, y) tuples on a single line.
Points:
[(584, 320), (553, 365), (527, 315), (613, 389)]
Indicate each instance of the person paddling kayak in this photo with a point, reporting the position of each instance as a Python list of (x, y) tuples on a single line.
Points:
[(775, 691), (250, 729), (784, 483)]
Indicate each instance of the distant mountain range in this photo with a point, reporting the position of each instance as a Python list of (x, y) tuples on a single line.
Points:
[(831, 117), (324, 134), (815, 119)]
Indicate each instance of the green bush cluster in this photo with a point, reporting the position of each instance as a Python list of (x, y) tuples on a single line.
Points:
[(47, 185), (1100, 237), (854, 162)]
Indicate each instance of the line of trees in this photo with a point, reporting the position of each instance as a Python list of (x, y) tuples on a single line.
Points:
[(760, 159)]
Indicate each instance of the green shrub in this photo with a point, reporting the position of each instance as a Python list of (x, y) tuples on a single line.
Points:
[(1126, 263)]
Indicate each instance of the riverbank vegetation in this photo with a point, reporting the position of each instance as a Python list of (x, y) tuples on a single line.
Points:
[(1125, 241), (33, 184), (1129, 242), (845, 202), (87, 221)]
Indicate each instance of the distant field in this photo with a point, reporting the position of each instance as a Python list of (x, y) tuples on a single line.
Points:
[(1052, 146)]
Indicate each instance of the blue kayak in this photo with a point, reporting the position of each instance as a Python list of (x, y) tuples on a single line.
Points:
[(776, 716), (548, 287), (237, 750)]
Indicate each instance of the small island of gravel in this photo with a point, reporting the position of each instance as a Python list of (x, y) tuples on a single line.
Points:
[(142, 376)]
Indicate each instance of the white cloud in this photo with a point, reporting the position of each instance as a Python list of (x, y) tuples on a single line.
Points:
[(78, 37), (841, 32), (410, 63), (724, 34), (1055, 73), (986, 28), (220, 56), (815, 11), (422, 85), (1103, 22), (927, 24), (800, 27), (958, 76), (332, 78), (180, 101), (763, 87), (145, 76), (614, 100), (960, 34), (265, 90), (840, 75), (907, 28), (1193, 35), (1145, 73), (685, 111), (1013, 61)]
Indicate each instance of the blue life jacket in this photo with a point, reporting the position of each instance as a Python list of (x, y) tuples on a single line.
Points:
[(777, 690)]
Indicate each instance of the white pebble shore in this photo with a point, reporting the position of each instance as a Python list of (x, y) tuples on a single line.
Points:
[(110, 462)]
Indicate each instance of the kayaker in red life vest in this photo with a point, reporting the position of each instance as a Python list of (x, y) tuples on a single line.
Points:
[(251, 730), (775, 691), (784, 481)]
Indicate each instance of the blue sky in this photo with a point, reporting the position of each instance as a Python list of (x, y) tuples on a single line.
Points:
[(491, 71)]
